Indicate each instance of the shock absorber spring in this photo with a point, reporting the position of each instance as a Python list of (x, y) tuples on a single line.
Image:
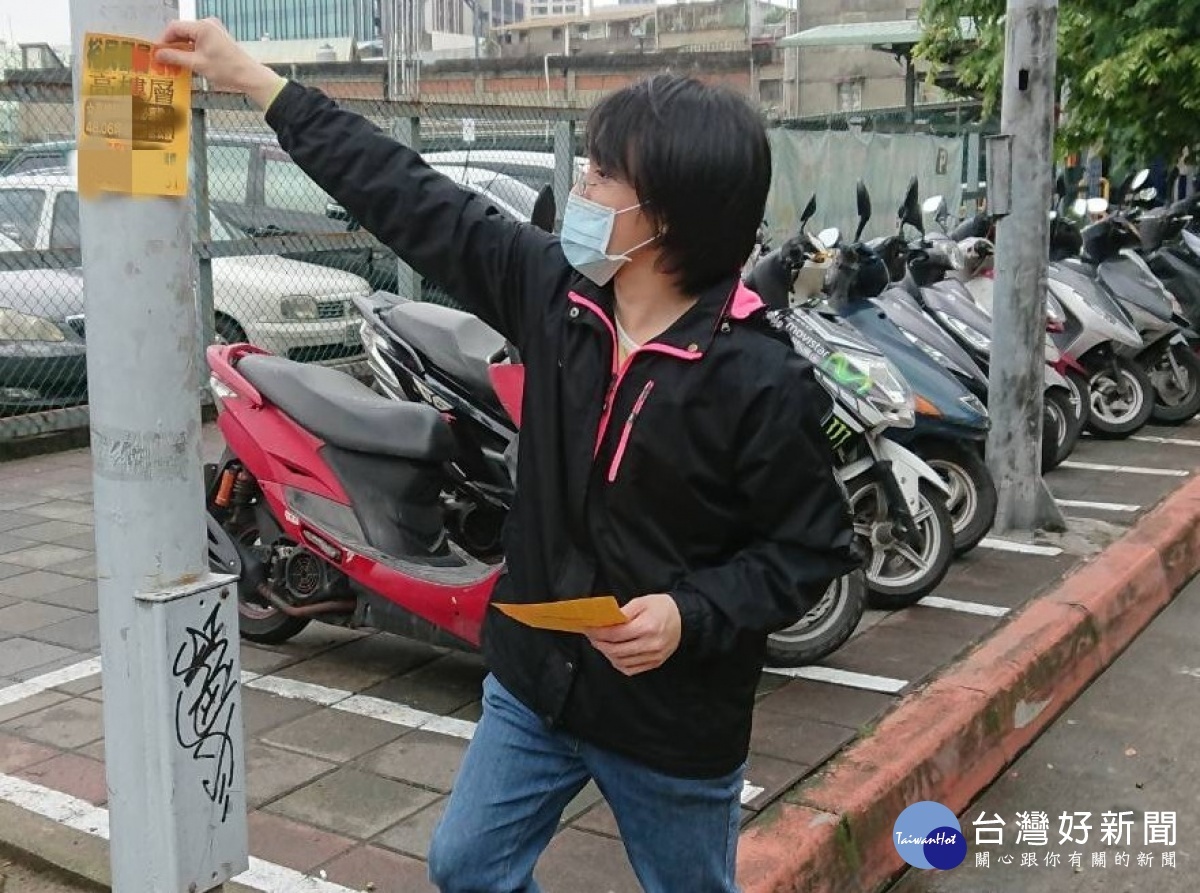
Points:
[(243, 487)]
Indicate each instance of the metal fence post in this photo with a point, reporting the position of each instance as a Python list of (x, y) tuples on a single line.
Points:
[(168, 629), (204, 278), (408, 282), (564, 168)]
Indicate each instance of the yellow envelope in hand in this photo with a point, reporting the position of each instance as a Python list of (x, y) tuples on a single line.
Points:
[(572, 616)]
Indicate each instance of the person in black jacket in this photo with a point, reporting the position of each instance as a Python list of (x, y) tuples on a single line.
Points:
[(671, 454)]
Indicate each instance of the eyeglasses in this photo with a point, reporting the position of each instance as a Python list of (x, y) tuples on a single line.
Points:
[(592, 178)]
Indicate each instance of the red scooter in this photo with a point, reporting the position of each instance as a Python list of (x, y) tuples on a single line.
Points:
[(328, 503)]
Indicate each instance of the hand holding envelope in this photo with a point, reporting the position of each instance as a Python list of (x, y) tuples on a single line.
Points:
[(571, 616), (637, 638)]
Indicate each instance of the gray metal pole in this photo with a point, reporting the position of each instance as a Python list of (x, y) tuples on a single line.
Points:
[(200, 200), (168, 629), (408, 281), (564, 168), (1017, 368)]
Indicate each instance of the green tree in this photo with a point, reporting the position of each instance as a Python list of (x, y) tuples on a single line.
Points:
[(1132, 66)]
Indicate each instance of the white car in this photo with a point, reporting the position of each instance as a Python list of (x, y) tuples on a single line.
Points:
[(294, 309)]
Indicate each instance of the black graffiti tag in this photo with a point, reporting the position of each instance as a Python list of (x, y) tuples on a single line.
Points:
[(204, 707)]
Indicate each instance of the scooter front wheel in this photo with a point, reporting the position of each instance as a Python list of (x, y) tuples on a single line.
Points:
[(972, 498), (1176, 377), (825, 628), (1122, 398), (899, 574), (1068, 428)]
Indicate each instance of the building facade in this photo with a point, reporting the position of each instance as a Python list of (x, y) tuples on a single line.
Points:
[(292, 19)]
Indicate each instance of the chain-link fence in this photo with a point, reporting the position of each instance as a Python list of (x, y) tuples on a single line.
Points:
[(278, 263)]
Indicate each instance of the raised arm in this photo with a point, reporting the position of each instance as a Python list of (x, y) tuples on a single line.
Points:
[(499, 269)]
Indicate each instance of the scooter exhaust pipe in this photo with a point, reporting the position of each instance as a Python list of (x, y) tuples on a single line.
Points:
[(336, 606)]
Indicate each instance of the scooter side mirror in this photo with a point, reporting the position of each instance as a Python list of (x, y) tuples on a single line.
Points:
[(809, 210), (545, 209), (910, 210), (864, 208), (830, 237)]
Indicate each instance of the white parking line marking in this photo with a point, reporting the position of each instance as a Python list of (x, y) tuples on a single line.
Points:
[(46, 681), (749, 792), (953, 604), (1001, 545), (83, 816), (297, 690), (1098, 506), (1170, 441), (885, 684), (1125, 469)]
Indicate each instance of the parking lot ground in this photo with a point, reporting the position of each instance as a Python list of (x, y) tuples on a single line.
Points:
[(353, 737)]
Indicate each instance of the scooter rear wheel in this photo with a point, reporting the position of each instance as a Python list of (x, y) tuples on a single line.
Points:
[(257, 620), (1175, 402), (825, 628), (1121, 402)]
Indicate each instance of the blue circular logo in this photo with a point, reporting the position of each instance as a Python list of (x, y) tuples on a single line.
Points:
[(928, 835)]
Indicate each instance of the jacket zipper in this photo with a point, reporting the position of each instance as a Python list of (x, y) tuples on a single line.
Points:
[(627, 430), (619, 370)]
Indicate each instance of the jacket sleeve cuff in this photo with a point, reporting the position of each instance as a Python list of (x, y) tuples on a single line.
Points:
[(694, 616), (285, 92)]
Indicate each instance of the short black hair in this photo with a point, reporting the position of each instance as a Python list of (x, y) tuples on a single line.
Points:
[(698, 157)]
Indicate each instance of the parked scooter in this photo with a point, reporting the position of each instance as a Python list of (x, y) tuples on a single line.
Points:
[(933, 266), (1095, 331), (1110, 257), (1173, 253), (950, 422)]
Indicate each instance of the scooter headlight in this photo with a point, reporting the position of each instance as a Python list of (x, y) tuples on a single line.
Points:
[(930, 351), (870, 377), (974, 404), (973, 336)]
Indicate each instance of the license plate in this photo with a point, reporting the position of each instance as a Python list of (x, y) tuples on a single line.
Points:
[(351, 338)]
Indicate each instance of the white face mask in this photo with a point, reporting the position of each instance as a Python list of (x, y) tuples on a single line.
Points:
[(586, 232)]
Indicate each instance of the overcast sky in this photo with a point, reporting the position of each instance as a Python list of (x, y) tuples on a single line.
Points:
[(25, 21)]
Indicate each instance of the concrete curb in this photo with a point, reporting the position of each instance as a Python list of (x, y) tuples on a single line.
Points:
[(953, 737)]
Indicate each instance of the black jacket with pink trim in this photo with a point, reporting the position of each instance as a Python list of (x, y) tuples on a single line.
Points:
[(698, 469)]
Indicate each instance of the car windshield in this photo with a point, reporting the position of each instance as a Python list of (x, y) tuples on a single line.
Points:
[(20, 215), (513, 193)]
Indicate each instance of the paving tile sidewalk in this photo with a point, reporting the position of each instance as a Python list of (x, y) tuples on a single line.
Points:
[(354, 798)]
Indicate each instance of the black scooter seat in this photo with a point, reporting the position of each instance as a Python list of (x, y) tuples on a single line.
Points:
[(457, 343), (344, 412)]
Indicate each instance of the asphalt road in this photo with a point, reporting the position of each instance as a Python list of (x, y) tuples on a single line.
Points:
[(1127, 744)]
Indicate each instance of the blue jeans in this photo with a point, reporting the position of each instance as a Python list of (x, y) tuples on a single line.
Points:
[(517, 778)]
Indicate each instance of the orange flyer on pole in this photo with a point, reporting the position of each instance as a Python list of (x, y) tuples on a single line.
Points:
[(135, 119), (572, 616)]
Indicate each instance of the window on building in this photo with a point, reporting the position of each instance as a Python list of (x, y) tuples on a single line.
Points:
[(556, 34), (770, 91), (850, 96)]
